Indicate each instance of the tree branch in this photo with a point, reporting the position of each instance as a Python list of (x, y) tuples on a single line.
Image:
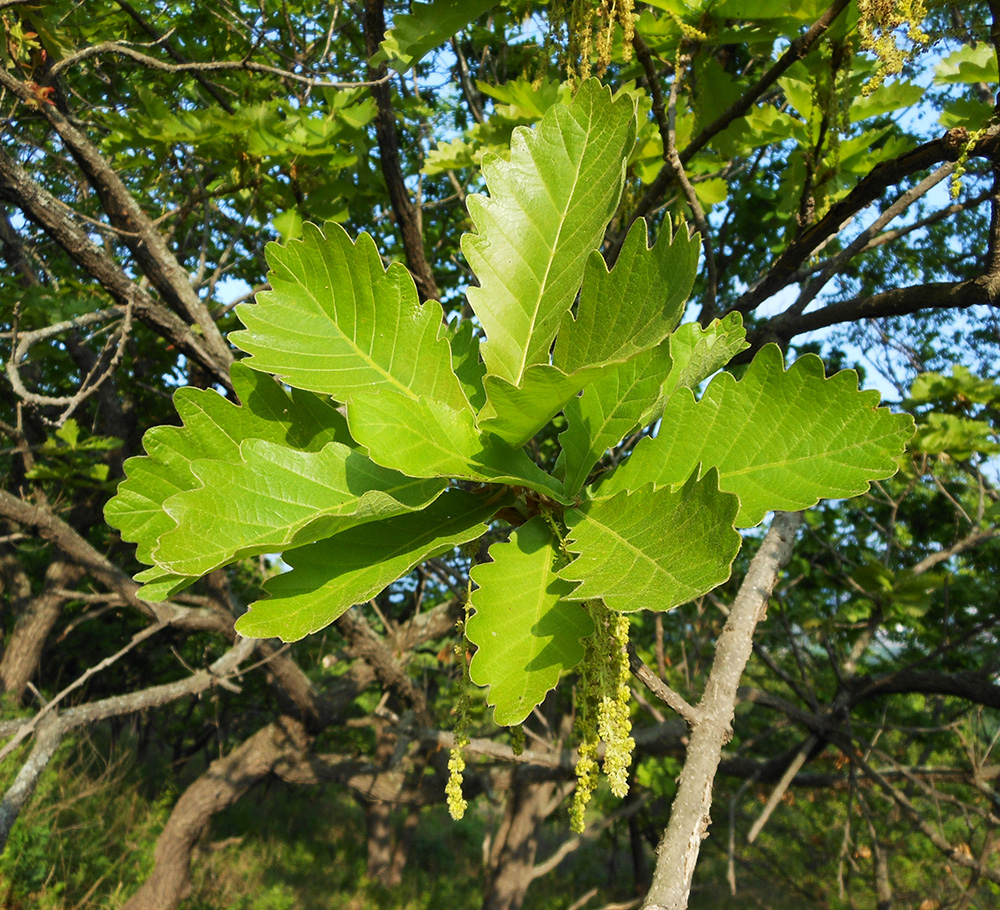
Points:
[(948, 148), (678, 851), (407, 215), (981, 291), (42, 208), (140, 234)]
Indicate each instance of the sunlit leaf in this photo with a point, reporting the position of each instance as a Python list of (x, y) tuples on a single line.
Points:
[(526, 635)]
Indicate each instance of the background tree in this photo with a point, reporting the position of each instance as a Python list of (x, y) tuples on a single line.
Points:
[(148, 155)]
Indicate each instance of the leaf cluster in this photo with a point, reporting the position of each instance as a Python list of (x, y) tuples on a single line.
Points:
[(394, 435)]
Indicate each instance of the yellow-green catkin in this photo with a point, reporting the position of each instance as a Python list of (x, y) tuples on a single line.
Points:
[(603, 710), (457, 803), (456, 761), (586, 764), (517, 739), (614, 724), (590, 27), (955, 183), (878, 22)]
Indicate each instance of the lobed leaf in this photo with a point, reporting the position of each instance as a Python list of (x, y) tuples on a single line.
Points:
[(696, 352), (780, 440), (548, 208), (653, 549), (428, 439), (211, 428), (632, 307), (336, 322), (526, 634), (276, 497), (330, 576)]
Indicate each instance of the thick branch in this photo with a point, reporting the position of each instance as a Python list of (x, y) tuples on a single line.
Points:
[(982, 291), (225, 781), (677, 854), (407, 215), (948, 148)]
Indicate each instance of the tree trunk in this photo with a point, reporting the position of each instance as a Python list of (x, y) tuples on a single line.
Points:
[(225, 781), (36, 617), (512, 858)]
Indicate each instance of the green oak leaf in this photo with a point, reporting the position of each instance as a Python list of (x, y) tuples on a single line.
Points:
[(653, 549), (336, 322), (276, 497), (610, 408), (415, 34), (211, 428), (428, 439), (696, 352), (515, 413), (466, 362), (547, 210), (526, 634), (632, 307), (780, 440), (330, 576)]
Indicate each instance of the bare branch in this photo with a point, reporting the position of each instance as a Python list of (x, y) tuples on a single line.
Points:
[(673, 700), (41, 207), (214, 66), (678, 852), (407, 215)]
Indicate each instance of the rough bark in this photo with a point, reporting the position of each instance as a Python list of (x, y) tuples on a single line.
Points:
[(512, 857), (31, 630), (226, 780), (678, 851)]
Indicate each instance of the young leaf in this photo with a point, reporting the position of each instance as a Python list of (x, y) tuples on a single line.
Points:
[(428, 439), (780, 440), (277, 497), (336, 322), (653, 549), (213, 428), (330, 576), (696, 353), (632, 307), (415, 34), (547, 210), (609, 409), (515, 413), (527, 635)]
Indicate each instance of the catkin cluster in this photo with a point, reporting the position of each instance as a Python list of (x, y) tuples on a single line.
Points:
[(878, 22), (603, 710), (457, 803), (590, 28)]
